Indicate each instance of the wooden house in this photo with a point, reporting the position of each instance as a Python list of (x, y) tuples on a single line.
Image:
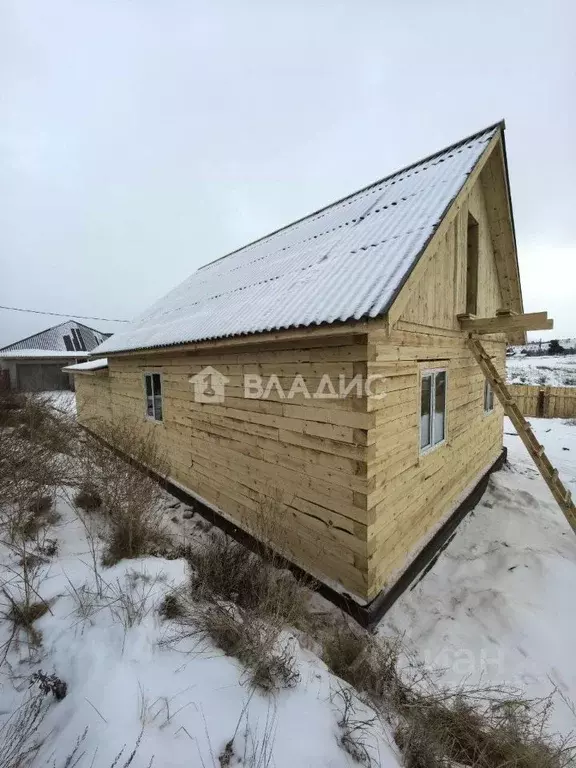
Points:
[(375, 288)]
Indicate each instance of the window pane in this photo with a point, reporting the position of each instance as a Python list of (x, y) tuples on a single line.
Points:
[(158, 408), (488, 396), (439, 406), (148, 380), (149, 407), (425, 423), (157, 384)]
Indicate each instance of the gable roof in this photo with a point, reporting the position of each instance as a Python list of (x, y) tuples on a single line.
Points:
[(344, 262), (80, 337)]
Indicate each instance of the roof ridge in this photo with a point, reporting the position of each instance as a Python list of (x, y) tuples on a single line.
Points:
[(45, 330), (471, 137)]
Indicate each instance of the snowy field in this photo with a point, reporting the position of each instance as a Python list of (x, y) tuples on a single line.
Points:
[(182, 700), (554, 371), (498, 604), (496, 607)]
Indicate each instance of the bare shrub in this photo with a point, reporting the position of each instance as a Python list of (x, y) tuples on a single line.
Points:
[(20, 738), (10, 402), (356, 733), (88, 498), (33, 463), (171, 606), (226, 569), (23, 605), (128, 497)]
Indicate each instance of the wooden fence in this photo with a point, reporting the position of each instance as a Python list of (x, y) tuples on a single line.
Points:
[(546, 402)]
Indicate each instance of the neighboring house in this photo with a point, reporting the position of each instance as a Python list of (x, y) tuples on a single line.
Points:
[(370, 286), (35, 363)]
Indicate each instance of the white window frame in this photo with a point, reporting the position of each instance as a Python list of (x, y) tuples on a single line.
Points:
[(488, 397), (432, 373), (154, 418)]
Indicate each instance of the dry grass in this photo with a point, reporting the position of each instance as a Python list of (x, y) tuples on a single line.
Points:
[(482, 728), (122, 491), (257, 645), (20, 739), (356, 733), (436, 727), (225, 569), (364, 661)]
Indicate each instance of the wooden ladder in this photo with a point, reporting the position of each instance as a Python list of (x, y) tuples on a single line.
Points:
[(548, 472)]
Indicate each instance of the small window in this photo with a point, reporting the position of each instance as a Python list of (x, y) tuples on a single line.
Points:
[(153, 383), (488, 397), (432, 409)]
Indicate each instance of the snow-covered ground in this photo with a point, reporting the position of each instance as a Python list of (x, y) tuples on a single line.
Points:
[(495, 608), (181, 700), (554, 371), (498, 604), (542, 346)]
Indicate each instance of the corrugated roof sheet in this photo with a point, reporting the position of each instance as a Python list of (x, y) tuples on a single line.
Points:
[(43, 353), (344, 262), (81, 338), (91, 365)]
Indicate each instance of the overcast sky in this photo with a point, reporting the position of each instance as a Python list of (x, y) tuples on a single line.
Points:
[(140, 139)]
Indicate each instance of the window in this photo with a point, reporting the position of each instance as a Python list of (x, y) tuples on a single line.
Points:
[(472, 266), (153, 383), (488, 397), (432, 408)]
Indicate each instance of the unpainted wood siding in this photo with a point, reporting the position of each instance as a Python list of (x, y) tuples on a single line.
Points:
[(302, 459), (441, 293), (93, 402), (411, 493)]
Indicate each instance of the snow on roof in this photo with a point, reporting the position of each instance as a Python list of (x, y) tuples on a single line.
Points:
[(91, 365), (47, 353), (345, 262), (69, 336)]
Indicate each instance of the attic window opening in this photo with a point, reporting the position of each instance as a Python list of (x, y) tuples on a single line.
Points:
[(472, 247)]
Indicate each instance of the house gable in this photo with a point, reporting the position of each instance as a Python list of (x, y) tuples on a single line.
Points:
[(435, 292)]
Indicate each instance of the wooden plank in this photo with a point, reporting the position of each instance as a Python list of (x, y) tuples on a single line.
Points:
[(262, 338), (533, 321)]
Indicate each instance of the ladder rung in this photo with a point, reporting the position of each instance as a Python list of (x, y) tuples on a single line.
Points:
[(536, 450)]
